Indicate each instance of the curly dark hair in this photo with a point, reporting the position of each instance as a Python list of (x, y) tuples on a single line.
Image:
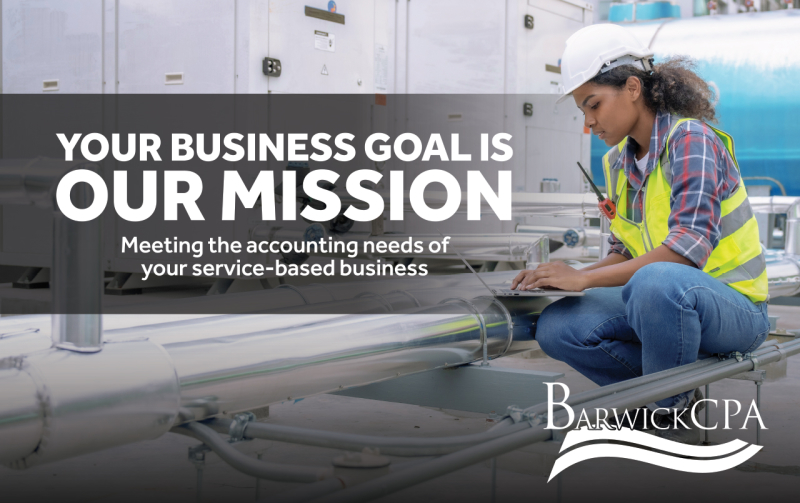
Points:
[(673, 87)]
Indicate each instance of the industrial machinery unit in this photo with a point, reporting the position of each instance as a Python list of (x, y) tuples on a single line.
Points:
[(432, 67), (461, 67)]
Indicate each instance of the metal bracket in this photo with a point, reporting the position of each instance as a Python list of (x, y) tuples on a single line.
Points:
[(735, 354), (756, 363), (197, 454), (239, 423), (271, 67), (528, 21), (527, 109)]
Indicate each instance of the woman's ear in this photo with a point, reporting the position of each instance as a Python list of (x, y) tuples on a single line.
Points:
[(633, 87)]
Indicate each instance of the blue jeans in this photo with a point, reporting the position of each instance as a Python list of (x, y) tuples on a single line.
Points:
[(666, 316)]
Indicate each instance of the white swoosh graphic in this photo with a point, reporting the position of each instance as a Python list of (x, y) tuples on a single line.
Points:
[(576, 437), (654, 458)]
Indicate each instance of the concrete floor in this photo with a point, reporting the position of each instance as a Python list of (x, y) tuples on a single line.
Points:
[(158, 470)]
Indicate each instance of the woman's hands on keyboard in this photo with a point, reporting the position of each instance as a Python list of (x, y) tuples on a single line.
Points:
[(556, 275)]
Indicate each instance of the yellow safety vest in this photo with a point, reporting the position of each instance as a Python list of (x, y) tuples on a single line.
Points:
[(738, 260)]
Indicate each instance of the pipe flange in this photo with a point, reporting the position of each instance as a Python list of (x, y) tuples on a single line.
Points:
[(238, 425), (474, 309), (45, 409), (297, 291), (379, 297), (756, 363), (403, 292)]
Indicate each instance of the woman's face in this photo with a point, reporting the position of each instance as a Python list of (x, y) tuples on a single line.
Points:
[(610, 113)]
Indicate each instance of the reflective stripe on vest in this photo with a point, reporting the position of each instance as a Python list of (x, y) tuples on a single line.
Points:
[(738, 259)]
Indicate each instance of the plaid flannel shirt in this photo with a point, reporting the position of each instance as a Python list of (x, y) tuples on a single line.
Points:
[(703, 175)]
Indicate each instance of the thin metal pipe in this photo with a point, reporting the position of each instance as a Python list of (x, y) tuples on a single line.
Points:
[(758, 405), (654, 385), (391, 446), (619, 387), (467, 457), (437, 467), (249, 466), (679, 383), (640, 382), (708, 396)]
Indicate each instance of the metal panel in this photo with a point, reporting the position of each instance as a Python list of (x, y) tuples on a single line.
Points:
[(54, 42), (471, 388), (456, 46), (344, 66), (161, 39), (545, 45), (562, 8), (553, 153)]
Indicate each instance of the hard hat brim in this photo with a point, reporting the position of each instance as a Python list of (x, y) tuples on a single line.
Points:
[(563, 98)]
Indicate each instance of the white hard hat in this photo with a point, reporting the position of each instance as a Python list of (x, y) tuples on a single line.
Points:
[(599, 48)]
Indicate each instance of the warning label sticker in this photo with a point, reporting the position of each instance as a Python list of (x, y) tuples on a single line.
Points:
[(381, 74), (324, 41)]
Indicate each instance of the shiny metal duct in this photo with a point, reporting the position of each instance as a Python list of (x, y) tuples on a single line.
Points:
[(316, 354), (77, 246), (55, 404), (783, 273), (20, 335)]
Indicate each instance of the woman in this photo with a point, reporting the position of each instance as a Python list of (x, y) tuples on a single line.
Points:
[(685, 253)]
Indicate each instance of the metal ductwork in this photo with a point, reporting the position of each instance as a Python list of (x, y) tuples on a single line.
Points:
[(77, 252), (55, 404), (150, 377), (58, 404)]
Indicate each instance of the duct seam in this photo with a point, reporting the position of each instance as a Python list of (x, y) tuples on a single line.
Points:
[(45, 411), (474, 310)]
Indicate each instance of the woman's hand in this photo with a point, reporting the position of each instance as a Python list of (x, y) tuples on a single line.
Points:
[(551, 275)]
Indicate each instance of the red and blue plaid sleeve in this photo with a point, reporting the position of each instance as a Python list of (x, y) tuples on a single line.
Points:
[(618, 247), (703, 175)]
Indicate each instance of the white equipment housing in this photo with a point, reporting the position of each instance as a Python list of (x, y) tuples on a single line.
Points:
[(456, 49)]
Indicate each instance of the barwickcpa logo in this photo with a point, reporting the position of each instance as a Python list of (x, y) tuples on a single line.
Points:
[(581, 444)]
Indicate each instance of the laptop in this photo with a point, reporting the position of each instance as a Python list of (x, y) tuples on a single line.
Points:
[(507, 292)]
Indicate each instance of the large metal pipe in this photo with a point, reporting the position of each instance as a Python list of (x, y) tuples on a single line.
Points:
[(20, 335), (134, 388), (76, 266), (83, 403), (256, 366)]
